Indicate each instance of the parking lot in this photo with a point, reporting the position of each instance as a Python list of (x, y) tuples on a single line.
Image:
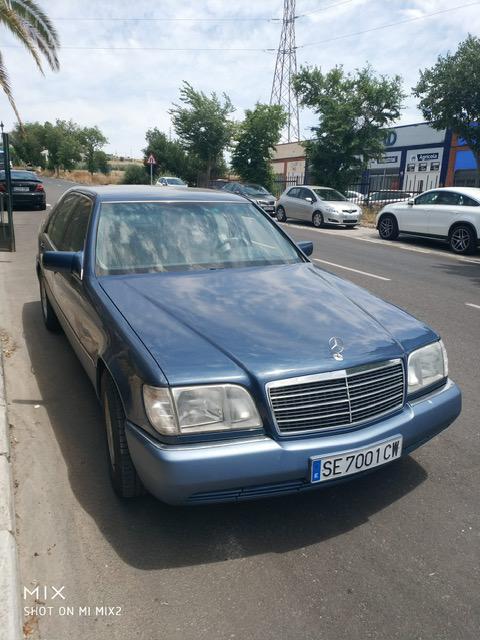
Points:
[(391, 555)]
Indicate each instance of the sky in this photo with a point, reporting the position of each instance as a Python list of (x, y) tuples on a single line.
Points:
[(123, 75)]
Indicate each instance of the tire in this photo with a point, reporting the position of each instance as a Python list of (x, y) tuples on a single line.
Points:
[(388, 227), (317, 219), (123, 475), (281, 215), (462, 239), (49, 316)]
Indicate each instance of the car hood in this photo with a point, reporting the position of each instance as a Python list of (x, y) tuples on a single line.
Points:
[(341, 206), (261, 323)]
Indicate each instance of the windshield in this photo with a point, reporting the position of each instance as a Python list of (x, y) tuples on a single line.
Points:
[(174, 181), (252, 189), (330, 195), (146, 237)]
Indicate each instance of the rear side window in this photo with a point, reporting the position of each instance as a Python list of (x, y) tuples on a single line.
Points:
[(465, 201), (294, 193)]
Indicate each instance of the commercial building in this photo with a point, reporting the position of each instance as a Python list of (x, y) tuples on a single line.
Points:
[(416, 157)]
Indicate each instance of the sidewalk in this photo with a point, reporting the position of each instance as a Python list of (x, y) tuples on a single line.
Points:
[(10, 615)]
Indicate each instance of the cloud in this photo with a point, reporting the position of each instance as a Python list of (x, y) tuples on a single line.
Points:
[(127, 92)]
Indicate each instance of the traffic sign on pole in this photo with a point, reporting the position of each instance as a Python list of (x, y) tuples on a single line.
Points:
[(151, 161)]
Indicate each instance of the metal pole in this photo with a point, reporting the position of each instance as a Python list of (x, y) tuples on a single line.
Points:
[(151, 174), (8, 185)]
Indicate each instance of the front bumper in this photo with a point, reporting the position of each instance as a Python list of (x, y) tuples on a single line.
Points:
[(258, 467)]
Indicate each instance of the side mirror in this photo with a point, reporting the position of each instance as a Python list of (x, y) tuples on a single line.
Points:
[(63, 261), (308, 199), (411, 202), (306, 247)]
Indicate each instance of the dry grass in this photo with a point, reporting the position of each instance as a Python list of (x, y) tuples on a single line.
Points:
[(84, 177), (368, 218)]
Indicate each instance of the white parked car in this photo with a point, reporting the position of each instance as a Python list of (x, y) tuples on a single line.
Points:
[(451, 214), (319, 205), (171, 181)]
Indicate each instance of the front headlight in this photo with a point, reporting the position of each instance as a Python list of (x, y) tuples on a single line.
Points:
[(330, 210), (426, 366), (202, 409)]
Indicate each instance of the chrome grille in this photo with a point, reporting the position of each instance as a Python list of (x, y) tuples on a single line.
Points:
[(337, 399)]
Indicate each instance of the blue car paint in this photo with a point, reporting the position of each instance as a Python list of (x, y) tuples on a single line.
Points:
[(248, 326)]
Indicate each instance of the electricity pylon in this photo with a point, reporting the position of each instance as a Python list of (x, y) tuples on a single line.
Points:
[(285, 68)]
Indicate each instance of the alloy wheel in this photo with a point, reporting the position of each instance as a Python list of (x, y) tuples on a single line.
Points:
[(460, 240)]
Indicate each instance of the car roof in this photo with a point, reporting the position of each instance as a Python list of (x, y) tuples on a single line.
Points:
[(467, 191), (314, 186), (133, 193)]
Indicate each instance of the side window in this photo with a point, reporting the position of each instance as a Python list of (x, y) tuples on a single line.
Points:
[(465, 201), (306, 193), (294, 193), (77, 225), (447, 197), (56, 226), (427, 198)]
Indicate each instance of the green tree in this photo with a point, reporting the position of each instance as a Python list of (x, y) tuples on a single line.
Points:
[(256, 138), (449, 93), (91, 140), (100, 160), (171, 157), (352, 110), (29, 24), (203, 126), (136, 174), (28, 141), (62, 142)]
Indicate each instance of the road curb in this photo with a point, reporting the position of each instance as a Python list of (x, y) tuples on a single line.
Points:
[(10, 609)]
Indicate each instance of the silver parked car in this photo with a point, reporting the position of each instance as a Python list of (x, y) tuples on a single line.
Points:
[(319, 205), (171, 181)]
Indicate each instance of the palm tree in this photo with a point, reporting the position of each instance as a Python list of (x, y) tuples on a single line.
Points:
[(31, 26)]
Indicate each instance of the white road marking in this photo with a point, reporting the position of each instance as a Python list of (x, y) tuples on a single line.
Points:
[(470, 304), (354, 235), (363, 273)]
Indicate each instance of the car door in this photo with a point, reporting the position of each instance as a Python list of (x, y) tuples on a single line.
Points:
[(306, 198), (445, 211), (290, 202), (415, 218), (81, 322), (52, 238)]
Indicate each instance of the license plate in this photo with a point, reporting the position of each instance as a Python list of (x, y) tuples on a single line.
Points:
[(354, 461), (21, 189)]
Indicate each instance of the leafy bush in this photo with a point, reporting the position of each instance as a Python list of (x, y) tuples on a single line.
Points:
[(135, 174)]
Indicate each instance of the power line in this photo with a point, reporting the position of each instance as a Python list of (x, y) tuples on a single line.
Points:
[(184, 19), (387, 26), (330, 6), (263, 49)]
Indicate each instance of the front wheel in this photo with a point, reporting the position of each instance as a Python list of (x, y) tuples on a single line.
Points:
[(388, 227), (462, 240), (49, 316), (281, 215), (317, 219), (123, 474)]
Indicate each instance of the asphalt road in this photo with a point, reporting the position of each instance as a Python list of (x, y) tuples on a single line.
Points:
[(393, 555)]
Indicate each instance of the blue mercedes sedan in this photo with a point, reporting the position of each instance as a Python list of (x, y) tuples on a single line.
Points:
[(228, 365)]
